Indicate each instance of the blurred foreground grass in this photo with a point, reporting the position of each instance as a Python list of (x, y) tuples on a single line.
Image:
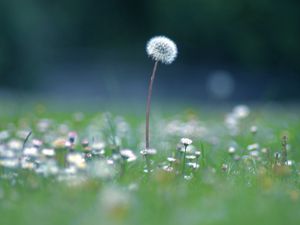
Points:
[(249, 186)]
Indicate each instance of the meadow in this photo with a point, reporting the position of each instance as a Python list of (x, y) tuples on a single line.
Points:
[(89, 167)]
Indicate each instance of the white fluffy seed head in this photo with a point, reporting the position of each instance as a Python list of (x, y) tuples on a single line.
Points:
[(162, 49)]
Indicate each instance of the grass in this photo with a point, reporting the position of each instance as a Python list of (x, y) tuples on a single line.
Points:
[(252, 190)]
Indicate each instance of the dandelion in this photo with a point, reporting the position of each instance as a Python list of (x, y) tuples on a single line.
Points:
[(160, 49)]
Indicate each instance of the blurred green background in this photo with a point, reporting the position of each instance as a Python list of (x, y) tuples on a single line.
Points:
[(70, 46)]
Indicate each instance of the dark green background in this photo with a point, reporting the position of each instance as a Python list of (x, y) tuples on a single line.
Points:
[(260, 37)]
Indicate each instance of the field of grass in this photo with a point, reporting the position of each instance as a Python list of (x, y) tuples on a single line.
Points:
[(247, 171)]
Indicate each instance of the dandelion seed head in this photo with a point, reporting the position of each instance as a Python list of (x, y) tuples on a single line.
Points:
[(162, 49)]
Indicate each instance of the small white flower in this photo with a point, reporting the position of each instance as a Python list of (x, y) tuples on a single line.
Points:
[(4, 135), (190, 157), (254, 153), (193, 165), (171, 159), (162, 49), (48, 152), (9, 163), (231, 150), (37, 143), (31, 151), (150, 151), (128, 155), (253, 129), (15, 144), (224, 167), (77, 160), (186, 141), (253, 147), (241, 111)]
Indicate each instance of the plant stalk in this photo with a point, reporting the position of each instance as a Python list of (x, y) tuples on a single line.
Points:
[(183, 162), (149, 104)]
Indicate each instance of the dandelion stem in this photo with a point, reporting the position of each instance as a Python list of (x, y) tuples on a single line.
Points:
[(149, 104), (183, 162)]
